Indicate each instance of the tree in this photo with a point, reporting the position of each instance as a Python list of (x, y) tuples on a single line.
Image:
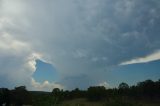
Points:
[(20, 96), (57, 95), (147, 88), (96, 93), (123, 89), (56, 92), (157, 86), (123, 86), (4, 96)]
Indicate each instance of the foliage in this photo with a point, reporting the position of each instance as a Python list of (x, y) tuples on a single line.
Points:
[(124, 95), (96, 93)]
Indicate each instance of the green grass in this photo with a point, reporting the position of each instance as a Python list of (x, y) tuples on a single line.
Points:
[(46, 100), (84, 102)]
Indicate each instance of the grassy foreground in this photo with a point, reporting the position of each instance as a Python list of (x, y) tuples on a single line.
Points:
[(84, 102)]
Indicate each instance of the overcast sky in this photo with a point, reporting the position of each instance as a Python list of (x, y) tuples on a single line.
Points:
[(78, 43)]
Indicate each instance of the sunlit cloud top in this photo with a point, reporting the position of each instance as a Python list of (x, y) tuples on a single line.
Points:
[(82, 39)]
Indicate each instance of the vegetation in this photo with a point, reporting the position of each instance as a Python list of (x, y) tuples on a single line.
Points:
[(146, 93), (16, 97)]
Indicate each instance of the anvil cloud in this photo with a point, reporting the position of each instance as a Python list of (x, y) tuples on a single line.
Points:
[(81, 38)]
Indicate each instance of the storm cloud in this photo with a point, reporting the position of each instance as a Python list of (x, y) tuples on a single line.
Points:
[(82, 39)]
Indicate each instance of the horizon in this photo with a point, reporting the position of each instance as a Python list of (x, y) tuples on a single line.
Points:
[(70, 90), (76, 44)]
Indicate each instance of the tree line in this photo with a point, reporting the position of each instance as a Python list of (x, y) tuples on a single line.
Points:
[(147, 90), (15, 97)]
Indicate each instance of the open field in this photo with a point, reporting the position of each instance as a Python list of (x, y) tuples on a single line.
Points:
[(84, 102)]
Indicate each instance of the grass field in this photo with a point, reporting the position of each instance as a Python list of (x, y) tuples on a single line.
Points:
[(84, 102)]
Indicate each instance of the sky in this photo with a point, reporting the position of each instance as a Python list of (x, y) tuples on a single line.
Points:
[(46, 44)]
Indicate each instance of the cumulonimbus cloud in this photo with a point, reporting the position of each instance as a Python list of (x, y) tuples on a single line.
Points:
[(79, 38)]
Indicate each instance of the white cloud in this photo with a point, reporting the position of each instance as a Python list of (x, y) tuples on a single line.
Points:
[(4, 21), (149, 58), (20, 64), (31, 61), (45, 86), (9, 43), (105, 84)]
